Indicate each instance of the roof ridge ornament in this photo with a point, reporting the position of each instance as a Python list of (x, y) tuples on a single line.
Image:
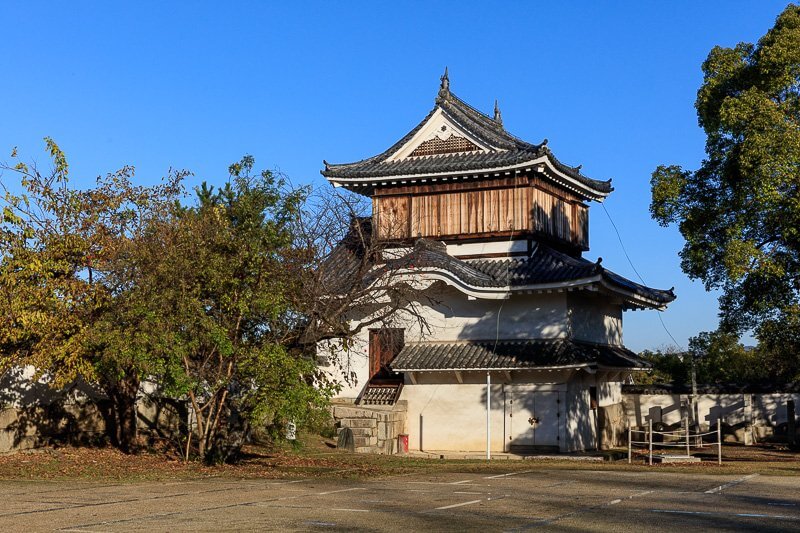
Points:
[(444, 87), (498, 117), (598, 267)]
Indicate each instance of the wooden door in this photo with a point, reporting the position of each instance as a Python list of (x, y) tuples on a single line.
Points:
[(384, 345)]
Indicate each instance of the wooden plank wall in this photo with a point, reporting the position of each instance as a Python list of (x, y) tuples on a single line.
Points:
[(453, 213)]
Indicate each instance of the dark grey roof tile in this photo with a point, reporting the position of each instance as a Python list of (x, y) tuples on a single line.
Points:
[(544, 266), (509, 151), (513, 355)]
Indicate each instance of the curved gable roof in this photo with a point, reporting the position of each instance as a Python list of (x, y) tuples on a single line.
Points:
[(545, 269), (502, 152)]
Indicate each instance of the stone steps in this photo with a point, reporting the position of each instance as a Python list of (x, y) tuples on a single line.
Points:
[(375, 428)]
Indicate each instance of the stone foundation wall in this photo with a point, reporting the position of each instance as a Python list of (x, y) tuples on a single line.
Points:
[(375, 428), (23, 428), (612, 426)]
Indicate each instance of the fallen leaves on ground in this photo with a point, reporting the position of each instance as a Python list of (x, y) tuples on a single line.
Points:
[(318, 459)]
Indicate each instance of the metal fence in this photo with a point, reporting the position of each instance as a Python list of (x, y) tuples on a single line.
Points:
[(683, 438)]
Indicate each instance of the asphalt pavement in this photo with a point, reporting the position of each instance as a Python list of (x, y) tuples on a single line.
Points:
[(527, 499)]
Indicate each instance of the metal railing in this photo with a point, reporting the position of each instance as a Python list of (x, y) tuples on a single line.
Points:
[(680, 438)]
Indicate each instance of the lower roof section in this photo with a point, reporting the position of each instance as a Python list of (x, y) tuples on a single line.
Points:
[(513, 355)]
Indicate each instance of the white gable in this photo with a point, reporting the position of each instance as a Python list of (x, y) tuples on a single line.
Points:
[(440, 127)]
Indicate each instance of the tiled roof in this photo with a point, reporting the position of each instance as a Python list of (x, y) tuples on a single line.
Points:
[(509, 355), (340, 270), (507, 151), (544, 266)]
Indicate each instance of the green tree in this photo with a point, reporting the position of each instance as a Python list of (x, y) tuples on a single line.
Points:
[(667, 366), (718, 357), (63, 277), (721, 358), (739, 213), (219, 278)]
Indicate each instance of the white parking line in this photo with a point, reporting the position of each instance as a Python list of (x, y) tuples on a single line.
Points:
[(342, 490), (457, 505), (461, 482), (350, 510), (709, 513), (507, 475), (730, 484)]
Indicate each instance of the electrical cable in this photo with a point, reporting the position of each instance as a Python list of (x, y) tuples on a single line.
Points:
[(622, 244)]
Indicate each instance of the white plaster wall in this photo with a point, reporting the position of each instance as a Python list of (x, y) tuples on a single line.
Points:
[(595, 319), (495, 247), (350, 367), (608, 392), (771, 408), (641, 408), (452, 416), (767, 409), (581, 421), (19, 388), (451, 316)]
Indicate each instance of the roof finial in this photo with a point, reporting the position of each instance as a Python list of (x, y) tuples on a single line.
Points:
[(444, 88), (498, 117)]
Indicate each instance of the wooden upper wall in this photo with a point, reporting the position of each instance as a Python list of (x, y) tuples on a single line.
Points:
[(481, 209)]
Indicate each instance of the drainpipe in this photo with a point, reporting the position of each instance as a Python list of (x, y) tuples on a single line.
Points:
[(488, 416)]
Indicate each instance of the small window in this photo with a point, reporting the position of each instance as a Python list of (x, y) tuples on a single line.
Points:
[(593, 397)]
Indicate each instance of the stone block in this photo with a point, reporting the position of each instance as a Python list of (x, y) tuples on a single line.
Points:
[(346, 411), (359, 422), (7, 417), (386, 431), (391, 447), (365, 449), (361, 442), (353, 412)]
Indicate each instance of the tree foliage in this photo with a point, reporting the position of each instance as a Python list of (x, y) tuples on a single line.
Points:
[(718, 357), (218, 276), (120, 283), (64, 276), (221, 299), (739, 213)]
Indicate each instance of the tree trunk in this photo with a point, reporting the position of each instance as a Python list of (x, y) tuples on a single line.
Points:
[(123, 402)]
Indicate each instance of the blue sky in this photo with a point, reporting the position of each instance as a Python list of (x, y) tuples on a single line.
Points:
[(196, 85)]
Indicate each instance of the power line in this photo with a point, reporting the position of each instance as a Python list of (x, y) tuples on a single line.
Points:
[(625, 251)]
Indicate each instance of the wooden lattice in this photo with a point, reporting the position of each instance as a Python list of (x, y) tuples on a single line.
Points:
[(452, 145)]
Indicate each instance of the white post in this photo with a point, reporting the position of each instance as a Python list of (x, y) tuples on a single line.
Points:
[(488, 415), (630, 434), (719, 441), (688, 449), (650, 431)]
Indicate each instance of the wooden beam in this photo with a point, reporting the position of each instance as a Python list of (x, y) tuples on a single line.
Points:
[(459, 377)]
